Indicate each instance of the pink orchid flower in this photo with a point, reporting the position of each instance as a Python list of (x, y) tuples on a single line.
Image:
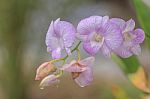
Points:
[(81, 71)]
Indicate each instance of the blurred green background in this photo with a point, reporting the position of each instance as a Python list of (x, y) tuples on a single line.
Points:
[(23, 26)]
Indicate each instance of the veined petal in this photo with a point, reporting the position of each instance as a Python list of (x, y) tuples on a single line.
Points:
[(85, 78), (140, 36), (82, 37), (49, 80), (89, 25), (88, 62), (119, 22), (66, 31), (105, 51), (73, 68), (56, 53), (130, 24), (52, 42), (91, 47), (123, 52), (57, 28), (50, 31), (105, 19), (50, 39), (113, 36), (136, 49)]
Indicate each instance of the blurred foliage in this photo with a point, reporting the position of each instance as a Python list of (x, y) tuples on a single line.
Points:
[(119, 92), (12, 17)]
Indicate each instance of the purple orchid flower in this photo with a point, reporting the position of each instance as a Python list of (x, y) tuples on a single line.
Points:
[(131, 38), (81, 71), (60, 35), (98, 34)]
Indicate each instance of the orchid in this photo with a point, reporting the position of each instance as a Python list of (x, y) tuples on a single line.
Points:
[(99, 35), (131, 38), (81, 71), (60, 35)]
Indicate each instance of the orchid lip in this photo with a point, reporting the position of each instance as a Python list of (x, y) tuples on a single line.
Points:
[(128, 37)]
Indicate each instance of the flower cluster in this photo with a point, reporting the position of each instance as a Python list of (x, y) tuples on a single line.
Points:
[(97, 34)]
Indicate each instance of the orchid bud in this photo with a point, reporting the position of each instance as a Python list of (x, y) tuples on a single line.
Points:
[(48, 80), (45, 69)]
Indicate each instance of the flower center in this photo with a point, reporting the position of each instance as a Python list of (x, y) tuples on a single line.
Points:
[(97, 37), (128, 36), (76, 74)]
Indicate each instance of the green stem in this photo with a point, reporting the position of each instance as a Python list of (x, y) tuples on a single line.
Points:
[(72, 50), (78, 52), (56, 60), (64, 59)]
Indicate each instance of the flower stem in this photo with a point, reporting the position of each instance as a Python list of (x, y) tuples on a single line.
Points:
[(79, 55), (63, 59)]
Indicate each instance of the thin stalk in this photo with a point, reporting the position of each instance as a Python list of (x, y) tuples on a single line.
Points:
[(74, 49)]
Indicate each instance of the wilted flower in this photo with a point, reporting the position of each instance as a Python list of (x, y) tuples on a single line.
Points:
[(45, 69), (60, 35), (98, 34), (49, 80), (131, 38), (81, 71)]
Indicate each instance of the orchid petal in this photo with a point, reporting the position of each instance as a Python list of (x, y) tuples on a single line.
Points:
[(136, 49), (73, 68), (89, 25), (87, 61), (92, 47), (105, 19), (119, 22), (123, 52), (49, 80), (82, 37), (85, 78), (130, 24), (56, 53), (106, 51), (140, 36), (113, 36)]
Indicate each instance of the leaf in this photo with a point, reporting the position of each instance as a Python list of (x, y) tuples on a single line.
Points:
[(128, 65), (139, 79)]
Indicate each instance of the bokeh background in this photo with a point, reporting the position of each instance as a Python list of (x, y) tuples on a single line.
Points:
[(23, 26)]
